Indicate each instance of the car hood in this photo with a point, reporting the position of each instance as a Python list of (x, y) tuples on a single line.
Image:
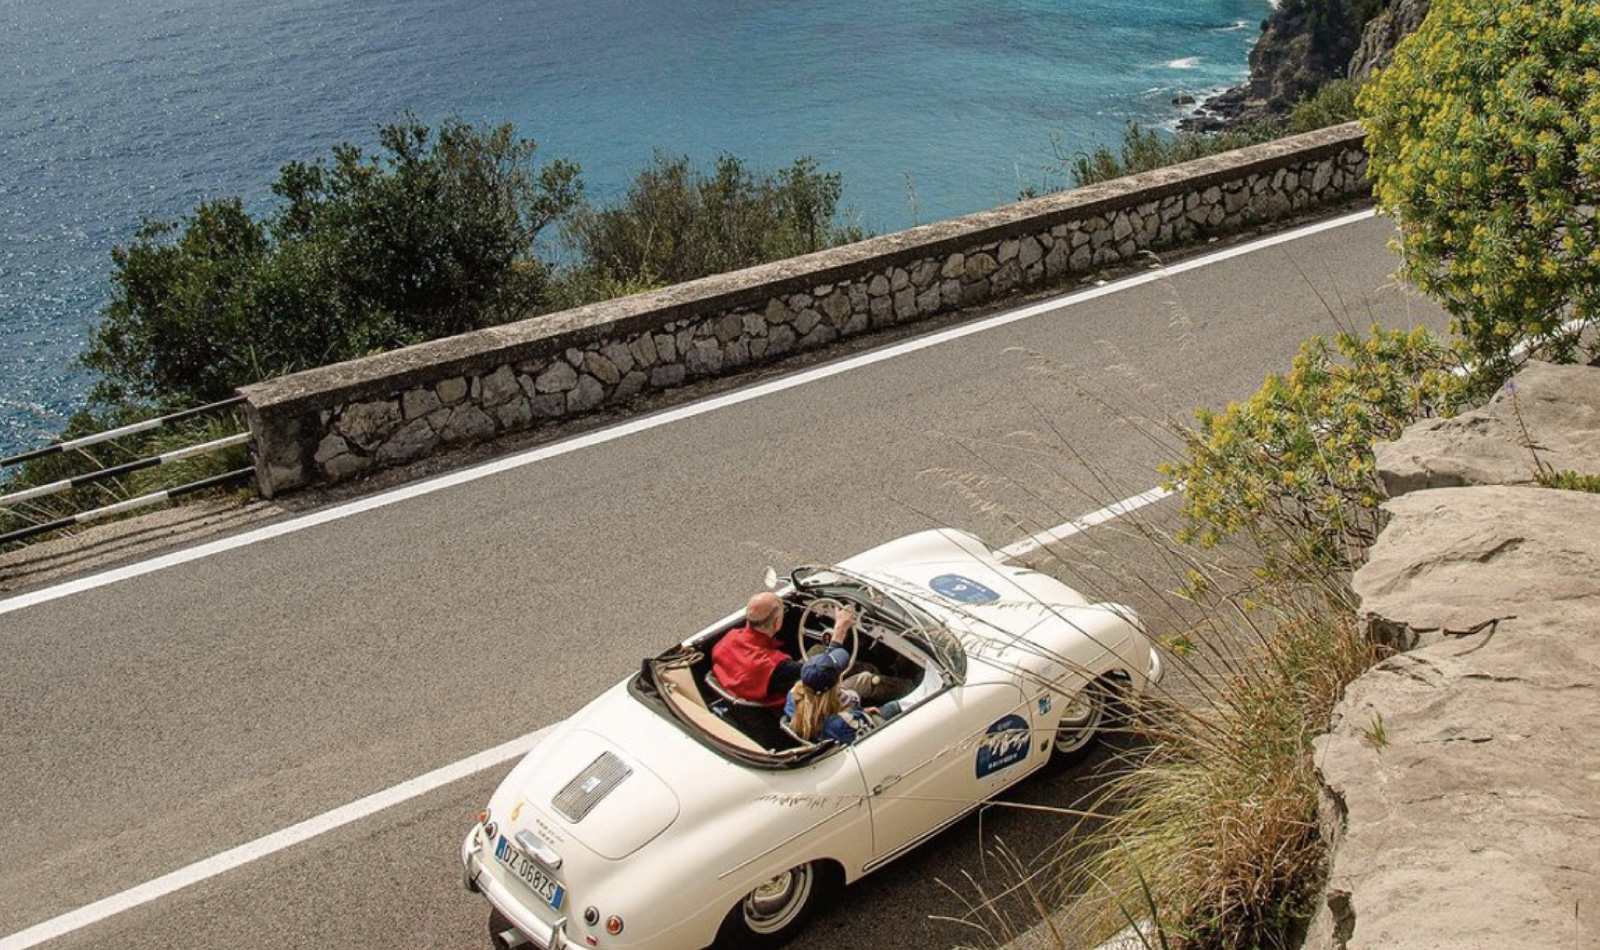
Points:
[(610, 801), (989, 603)]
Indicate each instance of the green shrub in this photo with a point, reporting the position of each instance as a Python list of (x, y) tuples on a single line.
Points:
[(1296, 458), (1484, 139), (677, 223)]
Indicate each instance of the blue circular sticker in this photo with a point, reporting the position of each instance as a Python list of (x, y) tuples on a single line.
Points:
[(962, 589)]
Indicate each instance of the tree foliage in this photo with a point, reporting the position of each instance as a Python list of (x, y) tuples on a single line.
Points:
[(433, 235), (677, 223), (1484, 137)]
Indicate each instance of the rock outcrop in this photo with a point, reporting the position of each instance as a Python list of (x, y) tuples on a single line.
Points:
[(1383, 33), (1305, 44), (1462, 777)]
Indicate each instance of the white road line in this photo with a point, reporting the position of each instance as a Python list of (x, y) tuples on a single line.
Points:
[(646, 423), (269, 844), (1080, 525), (421, 785)]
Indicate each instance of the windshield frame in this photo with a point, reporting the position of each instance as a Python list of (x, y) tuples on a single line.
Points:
[(881, 601)]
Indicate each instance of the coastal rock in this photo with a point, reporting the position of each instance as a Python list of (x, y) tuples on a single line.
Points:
[(1547, 418), (1459, 779), (1383, 33)]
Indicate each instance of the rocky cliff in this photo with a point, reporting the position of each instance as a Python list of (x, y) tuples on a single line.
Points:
[(1462, 778), (1303, 45)]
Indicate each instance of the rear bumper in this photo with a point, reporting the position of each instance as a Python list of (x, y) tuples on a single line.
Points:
[(540, 934)]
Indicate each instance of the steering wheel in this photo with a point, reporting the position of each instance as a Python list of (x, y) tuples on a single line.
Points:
[(826, 608)]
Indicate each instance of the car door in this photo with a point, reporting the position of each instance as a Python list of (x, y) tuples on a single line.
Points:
[(929, 766)]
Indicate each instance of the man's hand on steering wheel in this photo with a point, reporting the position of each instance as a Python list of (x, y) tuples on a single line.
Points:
[(842, 622)]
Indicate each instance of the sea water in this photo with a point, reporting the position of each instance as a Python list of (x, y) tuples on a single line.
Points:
[(112, 113)]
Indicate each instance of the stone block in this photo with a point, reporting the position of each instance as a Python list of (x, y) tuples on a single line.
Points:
[(500, 387), (549, 405), (602, 369), (954, 266), (466, 423), (666, 348), (878, 286), (882, 311), (703, 358), (451, 391), (341, 467), (559, 378), (978, 266), (414, 440), (1029, 252), (667, 374), (365, 424), (632, 384), (620, 356), (417, 403), (780, 341), (643, 348), (730, 328), (330, 446), (514, 415), (586, 394), (905, 303)]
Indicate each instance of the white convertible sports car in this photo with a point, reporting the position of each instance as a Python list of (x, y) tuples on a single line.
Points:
[(667, 815)]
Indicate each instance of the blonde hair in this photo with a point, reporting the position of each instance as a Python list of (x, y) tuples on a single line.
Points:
[(812, 709)]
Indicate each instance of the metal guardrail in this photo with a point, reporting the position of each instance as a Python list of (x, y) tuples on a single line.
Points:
[(115, 471)]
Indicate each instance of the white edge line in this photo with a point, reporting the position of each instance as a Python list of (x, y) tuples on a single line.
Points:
[(659, 419), (1077, 526), (328, 821), (261, 847)]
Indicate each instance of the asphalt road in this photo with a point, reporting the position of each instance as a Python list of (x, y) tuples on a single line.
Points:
[(159, 720)]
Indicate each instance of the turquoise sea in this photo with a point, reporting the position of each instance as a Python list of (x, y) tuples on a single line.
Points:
[(111, 113)]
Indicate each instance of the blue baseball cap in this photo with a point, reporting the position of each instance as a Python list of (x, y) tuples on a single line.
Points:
[(820, 673)]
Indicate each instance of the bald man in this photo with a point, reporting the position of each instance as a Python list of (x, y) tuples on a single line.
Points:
[(748, 660)]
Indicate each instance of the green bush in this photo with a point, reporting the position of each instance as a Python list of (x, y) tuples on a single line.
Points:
[(1296, 458), (677, 223), (1484, 137), (433, 236)]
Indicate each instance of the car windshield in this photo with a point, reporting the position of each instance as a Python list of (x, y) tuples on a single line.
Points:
[(891, 609)]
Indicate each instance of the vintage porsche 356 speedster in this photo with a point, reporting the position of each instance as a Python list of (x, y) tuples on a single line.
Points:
[(669, 815)]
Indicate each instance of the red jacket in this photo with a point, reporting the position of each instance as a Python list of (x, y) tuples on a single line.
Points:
[(744, 660)]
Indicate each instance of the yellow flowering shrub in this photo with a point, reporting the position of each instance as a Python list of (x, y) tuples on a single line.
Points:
[(1484, 138), (1293, 465)]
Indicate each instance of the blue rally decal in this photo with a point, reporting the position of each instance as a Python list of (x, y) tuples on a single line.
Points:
[(962, 589), (1005, 745)]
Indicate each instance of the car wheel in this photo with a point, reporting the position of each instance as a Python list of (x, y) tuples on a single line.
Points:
[(772, 913), (1080, 724)]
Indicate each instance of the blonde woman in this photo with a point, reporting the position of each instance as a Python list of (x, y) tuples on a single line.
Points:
[(819, 708)]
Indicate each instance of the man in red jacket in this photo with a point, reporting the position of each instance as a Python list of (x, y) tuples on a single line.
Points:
[(749, 662)]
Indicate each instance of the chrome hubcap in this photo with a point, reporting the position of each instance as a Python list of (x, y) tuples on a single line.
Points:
[(776, 904)]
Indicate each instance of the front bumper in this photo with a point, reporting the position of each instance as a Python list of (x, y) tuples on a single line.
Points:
[(1153, 676), (540, 934)]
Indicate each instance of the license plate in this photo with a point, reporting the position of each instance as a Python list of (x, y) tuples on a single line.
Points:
[(532, 874)]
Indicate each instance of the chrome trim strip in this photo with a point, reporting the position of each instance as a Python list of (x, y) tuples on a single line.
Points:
[(879, 862), (537, 849)]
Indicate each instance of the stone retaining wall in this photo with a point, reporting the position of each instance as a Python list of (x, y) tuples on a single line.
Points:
[(329, 424)]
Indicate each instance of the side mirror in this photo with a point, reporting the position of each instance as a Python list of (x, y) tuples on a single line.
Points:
[(771, 578)]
